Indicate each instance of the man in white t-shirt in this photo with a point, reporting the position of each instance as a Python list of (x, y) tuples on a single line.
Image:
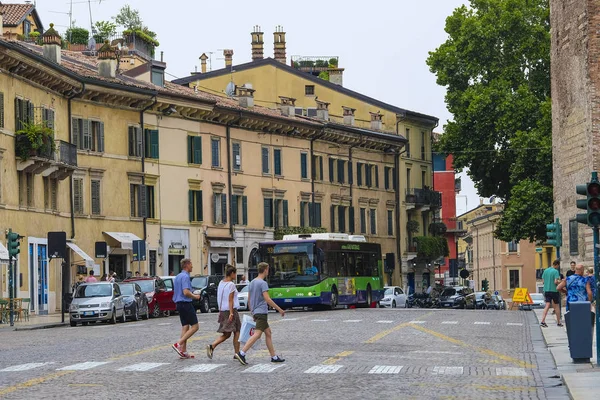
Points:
[(229, 319)]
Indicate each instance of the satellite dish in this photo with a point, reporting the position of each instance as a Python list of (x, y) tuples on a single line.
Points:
[(230, 89)]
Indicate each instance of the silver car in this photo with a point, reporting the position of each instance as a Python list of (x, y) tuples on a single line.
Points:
[(100, 301), (243, 298)]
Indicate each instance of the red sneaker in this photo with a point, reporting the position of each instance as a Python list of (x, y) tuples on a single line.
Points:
[(177, 348)]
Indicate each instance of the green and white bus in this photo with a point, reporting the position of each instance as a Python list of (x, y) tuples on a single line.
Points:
[(323, 270)]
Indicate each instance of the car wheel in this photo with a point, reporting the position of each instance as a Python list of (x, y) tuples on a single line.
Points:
[(204, 305), (147, 313), (123, 317), (113, 319), (394, 304), (73, 323), (156, 311), (136, 314)]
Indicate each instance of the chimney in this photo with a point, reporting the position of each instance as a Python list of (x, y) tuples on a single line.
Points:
[(279, 44), (322, 110), (336, 75), (51, 45), (203, 59), (245, 95), (257, 44), (349, 115), (288, 106), (228, 54), (107, 61), (376, 121)]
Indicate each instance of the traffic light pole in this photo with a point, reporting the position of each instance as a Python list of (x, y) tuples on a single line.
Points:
[(597, 276), (11, 297)]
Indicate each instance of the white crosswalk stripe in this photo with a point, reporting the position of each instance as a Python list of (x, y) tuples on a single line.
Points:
[(83, 366), (511, 371), (416, 322), (24, 367), (448, 370), (385, 369), (353, 320), (385, 322), (164, 324), (145, 366), (481, 323), (262, 368), (450, 322), (289, 319), (514, 324), (323, 369), (320, 320), (202, 368)]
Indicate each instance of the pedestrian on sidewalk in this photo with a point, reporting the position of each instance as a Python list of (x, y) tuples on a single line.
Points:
[(572, 270), (244, 281), (578, 286), (551, 278), (258, 302), (183, 296), (90, 277), (229, 319)]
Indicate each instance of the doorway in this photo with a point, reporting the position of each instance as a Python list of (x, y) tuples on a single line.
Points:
[(118, 263), (174, 264), (38, 279), (218, 268)]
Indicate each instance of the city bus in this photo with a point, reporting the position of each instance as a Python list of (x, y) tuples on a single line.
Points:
[(323, 270)]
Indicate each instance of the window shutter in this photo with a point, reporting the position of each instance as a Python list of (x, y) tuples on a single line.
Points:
[(302, 214), (390, 221), (244, 210), (75, 132), (197, 149), (313, 167), (285, 214), (215, 153), (340, 171), (18, 124), (332, 216), (331, 164), (265, 160), (368, 175), (350, 174), (132, 199), (234, 210), (154, 147), (139, 142), (376, 176), (223, 208), (1, 110), (373, 223), (395, 179), (87, 134), (30, 112), (190, 148), (342, 218), (276, 213), (363, 221), (76, 197), (320, 167), (277, 158), (359, 174), (191, 205), (131, 136), (95, 197), (267, 208), (303, 165), (54, 193), (216, 206), (101, 137), (199, 206), (237, 162), (147, 143), (351, 219), (386, 178), (143, 202), (311, 214)]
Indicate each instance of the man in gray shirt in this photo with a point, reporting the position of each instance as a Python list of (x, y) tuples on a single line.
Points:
[(258, 302)]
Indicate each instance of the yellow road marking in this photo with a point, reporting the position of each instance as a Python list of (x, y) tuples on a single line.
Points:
[(33, 382), (338, 357), (84, 384), (383, 334), (488, 352)]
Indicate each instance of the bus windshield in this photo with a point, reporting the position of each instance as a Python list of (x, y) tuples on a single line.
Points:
[(291, 264)]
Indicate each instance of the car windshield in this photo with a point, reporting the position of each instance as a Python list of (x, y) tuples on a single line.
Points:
[(146, 285), (244, 290), (200, 282), (127, 289), (537, 296), (93, 291), (388, 291), (448, 292)]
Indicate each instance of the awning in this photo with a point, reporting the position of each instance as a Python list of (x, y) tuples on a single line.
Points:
[(3, 253), (89, 261), (121, 239)]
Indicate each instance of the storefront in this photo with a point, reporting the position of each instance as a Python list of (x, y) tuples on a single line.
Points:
[(121, 254), (177, 245)]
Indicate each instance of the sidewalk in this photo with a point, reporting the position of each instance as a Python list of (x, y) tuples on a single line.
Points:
[(582, 379), (37, 322)]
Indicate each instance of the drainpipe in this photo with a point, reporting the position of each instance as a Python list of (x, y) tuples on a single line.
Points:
[(229, 191), (313, 172), (397, 209), (70, 123), (144, 154)]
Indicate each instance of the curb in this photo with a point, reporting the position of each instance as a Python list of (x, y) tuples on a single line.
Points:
[(45, 326)]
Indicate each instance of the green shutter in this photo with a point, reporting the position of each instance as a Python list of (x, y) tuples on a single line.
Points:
[(223, 208), (386, 178), (302, 214), (331, 164), (100, 137), (151, 137), (265, 160), (351, 219), (311, 214), (244, 210), (216, 206), (303, 165), (276, 213), (268, 211), (191, 205), (342, 218), (359, 174), (285, 214), (199, 206), (234, 210), (190, 144), (197, 150), (350, 177), (332, 216), (277, 160), (75, 132), (340, 171), (376, 176), (321, 167), (318, 215)]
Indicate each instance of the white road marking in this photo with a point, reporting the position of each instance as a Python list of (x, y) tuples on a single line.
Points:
[(510, 371), (481, 323), (202, 368), (165, 324), (450, 322), (320, 320), (131, 325), (448, 370), (514, 324), (289, 319), (353, 320), (435, 352), (416, 322), (385, 322), (385, 369), (262, 368), (24, 367), (145, 366), (323, 369), (83, 366)]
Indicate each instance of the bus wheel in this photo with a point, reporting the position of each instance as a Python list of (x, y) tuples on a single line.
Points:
[(334, 298)]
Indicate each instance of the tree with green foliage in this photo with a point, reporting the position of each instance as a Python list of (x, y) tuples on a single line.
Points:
[(129, 18), (495, 65), (106, 30), (77, 35)]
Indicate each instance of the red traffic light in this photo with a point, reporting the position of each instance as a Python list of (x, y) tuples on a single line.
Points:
[(594, 204), (593, 189)]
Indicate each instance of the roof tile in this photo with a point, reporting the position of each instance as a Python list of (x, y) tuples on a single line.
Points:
[(14, 13)]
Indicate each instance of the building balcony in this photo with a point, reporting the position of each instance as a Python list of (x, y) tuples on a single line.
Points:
[(130, 43), (411, 247), (314, 65), (58, 163), (454, 225), (423, 198)]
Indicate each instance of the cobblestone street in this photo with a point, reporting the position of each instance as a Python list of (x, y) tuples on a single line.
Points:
[(362, 353)]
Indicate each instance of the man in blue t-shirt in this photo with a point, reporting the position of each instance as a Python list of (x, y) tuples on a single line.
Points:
[(183, 296)]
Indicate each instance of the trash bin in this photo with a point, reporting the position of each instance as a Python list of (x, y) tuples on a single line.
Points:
[(579, 330)]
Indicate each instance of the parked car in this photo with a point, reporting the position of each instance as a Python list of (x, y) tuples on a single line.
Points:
[(243, 298), (539, 301), (136, 303), (206, 286), (99, 301), (168, 280), (452, 297), (496, 302), (159, 299), (240, 286), (393, 297)]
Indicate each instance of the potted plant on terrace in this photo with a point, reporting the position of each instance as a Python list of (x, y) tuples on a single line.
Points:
[(34, 139)]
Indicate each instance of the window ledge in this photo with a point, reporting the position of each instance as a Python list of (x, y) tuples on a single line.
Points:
[(197, 223), (83, 216), (216, 168), (305, 179), (266, 174), (136, 219), (237, 171), (99, 216), (134, 158), (152, 220), (194, 165), (279, 177)]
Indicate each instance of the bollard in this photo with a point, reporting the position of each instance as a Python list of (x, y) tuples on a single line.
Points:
[(579, 330)]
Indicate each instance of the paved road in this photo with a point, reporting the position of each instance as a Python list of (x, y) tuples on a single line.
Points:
[(341, 354)]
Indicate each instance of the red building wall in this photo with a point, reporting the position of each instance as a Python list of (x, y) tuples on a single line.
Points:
[(444, 182)]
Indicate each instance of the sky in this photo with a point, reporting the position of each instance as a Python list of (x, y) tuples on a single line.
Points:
[(382, 44)]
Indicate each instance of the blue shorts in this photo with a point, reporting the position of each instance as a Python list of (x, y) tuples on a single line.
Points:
[(187, 313)]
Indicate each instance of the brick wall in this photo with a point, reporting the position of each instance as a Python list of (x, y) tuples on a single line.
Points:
[(575, 50)]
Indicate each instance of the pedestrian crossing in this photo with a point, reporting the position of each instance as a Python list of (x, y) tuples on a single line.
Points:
[(265, 368)]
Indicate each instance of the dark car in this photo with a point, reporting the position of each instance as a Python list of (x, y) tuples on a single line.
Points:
[(160, 300), (477, 301), (136, 303), (452, 297), (496, 302), (207, 286)]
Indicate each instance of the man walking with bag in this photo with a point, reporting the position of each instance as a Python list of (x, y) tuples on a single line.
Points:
[(182, 296), (258, 302)]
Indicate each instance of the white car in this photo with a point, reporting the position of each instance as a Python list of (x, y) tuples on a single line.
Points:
[(243, 298), (539, 301), (393, 297), (98, 301)]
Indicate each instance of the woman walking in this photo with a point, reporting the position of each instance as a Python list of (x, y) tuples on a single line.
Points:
[(229, 319)]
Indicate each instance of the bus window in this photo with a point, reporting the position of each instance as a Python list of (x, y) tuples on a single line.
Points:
[(360, 268), (351, 267)]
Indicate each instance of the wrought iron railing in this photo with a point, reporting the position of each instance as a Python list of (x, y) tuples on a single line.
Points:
[(131, 43), (65, 153), (424, 197)]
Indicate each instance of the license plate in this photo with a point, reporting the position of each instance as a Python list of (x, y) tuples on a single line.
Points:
[(288, 300), (88, 313), (446, 305)]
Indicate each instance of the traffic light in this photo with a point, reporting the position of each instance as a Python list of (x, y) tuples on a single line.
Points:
[(591, 204), (485, 285), (13, 243), (554, 234)]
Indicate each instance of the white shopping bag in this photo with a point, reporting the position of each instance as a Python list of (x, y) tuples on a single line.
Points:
[(248, 327)]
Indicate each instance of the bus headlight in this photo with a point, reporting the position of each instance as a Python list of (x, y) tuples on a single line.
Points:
[(310, 293)]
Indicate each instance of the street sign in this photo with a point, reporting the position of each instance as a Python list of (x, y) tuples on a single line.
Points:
[(464, 273), (496, 293), (539, 249), (521, 295), (139, 250)]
